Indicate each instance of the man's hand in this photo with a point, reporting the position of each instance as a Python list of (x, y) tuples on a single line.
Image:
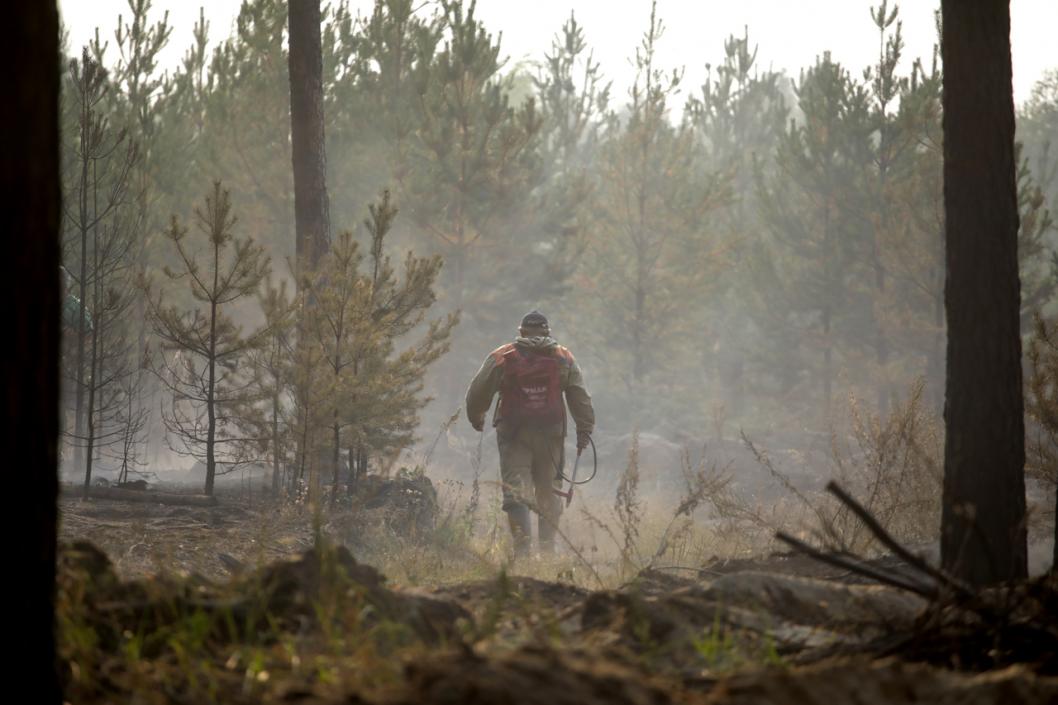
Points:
[(583, 438)]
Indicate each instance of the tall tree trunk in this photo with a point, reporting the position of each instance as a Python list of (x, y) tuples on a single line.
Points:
[(983, 536), (311, 210), (312, 225), (29, 282)]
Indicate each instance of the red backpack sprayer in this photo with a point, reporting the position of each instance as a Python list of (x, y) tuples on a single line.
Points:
[(531, 395)]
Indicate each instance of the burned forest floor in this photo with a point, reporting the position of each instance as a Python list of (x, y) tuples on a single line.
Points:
[(386, 600)]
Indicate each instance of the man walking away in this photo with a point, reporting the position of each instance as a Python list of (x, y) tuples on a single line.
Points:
[(531, 375)]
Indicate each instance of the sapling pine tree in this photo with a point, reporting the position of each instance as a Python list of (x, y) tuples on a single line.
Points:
[(572, 96), (883, 159), (97, 166), (1038, 131), (243, 106), (810, 208), (330, 323), (366, 393), (112, 383), (271, 366), (131, 422), (1037, 252), (739, 114), (371, 101), (202, 347), (388, 369), (469, 181), (651, 253), (911, 245), (472, 161)]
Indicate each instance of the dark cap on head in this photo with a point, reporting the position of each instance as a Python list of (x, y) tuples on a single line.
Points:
[(535, 319)]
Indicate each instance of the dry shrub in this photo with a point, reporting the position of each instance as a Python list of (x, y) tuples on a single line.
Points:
[(628, 507), (704, 484), (891, 464), (644, 539)]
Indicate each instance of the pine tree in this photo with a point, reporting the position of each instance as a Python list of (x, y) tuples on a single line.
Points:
[(913, 253), (1037, 250), (202, 348), (473, 158), (370, 393), (891, 145), (330, 324), (651, 253), (1037, 127), (573, 99), (245, 137), (387, 393), (271, 362), (739, 114), (812, 212), (100, 250), (372, 103)]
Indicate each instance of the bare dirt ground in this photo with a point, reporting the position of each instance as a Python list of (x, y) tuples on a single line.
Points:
[(144, 539), (172, 604)]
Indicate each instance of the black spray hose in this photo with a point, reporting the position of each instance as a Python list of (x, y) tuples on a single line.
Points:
[(594, 469)]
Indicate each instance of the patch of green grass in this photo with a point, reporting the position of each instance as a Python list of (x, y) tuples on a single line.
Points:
[(723, 649)]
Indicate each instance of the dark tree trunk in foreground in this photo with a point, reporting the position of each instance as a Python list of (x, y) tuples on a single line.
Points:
[(30, 290), (311, 210), (983, 522)]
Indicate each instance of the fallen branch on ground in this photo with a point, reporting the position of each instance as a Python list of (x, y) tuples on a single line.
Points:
[(150, 497)]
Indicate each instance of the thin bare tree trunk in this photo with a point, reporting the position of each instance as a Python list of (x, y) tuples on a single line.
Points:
[(275, 445), (983, 537), (82, 318), (29, 282), (211, 403), (93, 364)]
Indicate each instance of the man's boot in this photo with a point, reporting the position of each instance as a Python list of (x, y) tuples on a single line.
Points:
[(521, 529), (547, 526)]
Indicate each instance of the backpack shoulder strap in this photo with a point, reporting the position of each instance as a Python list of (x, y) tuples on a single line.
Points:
[(502, 352), (564, 355)]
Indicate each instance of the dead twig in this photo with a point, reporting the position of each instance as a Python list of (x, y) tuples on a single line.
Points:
[(858, 567), (893, 545)]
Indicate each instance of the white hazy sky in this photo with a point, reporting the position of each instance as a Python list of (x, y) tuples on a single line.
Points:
[(790, 34)]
